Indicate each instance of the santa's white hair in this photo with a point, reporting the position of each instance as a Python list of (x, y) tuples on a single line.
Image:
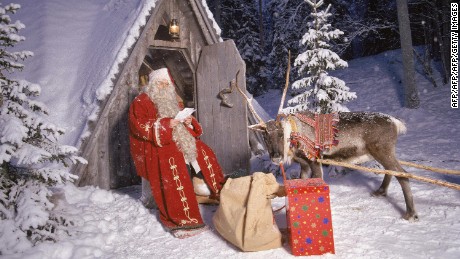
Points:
[(159, 75), (166, 103)]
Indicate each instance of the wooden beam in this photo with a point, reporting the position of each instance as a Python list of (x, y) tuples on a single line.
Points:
[(204, 22), (168, 44)]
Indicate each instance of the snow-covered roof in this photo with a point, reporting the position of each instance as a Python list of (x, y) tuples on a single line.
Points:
[(78, 46)]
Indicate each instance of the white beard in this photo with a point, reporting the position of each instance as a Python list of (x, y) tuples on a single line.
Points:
[(167, 105)]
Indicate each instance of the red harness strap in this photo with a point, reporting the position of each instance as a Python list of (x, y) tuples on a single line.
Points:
[(325, 126), (306, 145), (306, 119)]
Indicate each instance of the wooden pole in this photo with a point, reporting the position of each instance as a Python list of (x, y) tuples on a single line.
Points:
[(288, 72), (394, 173), (429, 168), (248, 100)]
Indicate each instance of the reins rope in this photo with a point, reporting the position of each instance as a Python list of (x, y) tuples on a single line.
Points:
[(390, 172), (430, 168)]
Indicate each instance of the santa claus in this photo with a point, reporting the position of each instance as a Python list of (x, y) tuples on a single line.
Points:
[(168, 153)]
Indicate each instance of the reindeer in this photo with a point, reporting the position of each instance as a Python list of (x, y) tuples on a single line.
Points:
[(362, 137)]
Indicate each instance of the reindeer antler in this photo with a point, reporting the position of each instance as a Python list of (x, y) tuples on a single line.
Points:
[(248, 100), (283, 97)]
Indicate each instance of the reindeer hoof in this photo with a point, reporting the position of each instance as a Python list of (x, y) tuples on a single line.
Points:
[(411, 217), (379, 193)]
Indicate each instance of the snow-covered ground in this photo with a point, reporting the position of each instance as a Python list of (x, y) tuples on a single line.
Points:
[(114, 224)]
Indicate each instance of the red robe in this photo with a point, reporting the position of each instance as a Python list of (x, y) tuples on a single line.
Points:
[(158, 159)]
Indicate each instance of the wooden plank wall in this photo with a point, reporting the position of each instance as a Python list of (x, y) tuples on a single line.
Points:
[(121, 167), (225, 129)]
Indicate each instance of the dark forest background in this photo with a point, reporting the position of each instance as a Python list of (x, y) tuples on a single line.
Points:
[(264, 31)]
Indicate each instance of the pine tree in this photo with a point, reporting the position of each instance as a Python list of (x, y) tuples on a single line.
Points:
[(323, 93), (240, 23), (31, 160)]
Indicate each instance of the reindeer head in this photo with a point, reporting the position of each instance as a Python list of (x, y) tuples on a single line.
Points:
[(276, 136)]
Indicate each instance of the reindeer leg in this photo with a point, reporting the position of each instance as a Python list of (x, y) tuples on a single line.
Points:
[(305, 170), (411, 214), (382, 190), (317, 169), (389, 162)]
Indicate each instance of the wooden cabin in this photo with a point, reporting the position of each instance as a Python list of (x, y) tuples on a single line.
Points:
[(201, 64)]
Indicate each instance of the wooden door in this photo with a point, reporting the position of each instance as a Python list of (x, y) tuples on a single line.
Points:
[(224, 128)]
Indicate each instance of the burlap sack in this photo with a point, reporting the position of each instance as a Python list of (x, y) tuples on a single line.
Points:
[(245, 216)]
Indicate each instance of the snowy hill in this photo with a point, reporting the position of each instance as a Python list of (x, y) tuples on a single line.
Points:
[(114, 224)]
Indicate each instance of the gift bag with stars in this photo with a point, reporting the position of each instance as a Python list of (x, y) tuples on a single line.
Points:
[(308, 213)]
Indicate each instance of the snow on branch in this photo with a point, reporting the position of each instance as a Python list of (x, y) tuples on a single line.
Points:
[(321, 92)]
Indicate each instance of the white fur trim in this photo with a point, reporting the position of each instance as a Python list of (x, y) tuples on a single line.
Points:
[(157, 132), (185, 233)]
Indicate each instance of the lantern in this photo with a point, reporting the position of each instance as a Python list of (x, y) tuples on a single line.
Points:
[(174, 29)]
